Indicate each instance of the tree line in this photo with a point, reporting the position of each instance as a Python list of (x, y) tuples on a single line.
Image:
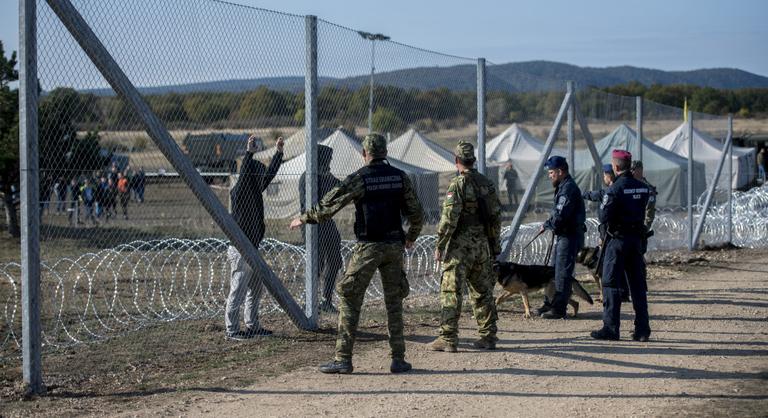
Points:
[(394, 108)]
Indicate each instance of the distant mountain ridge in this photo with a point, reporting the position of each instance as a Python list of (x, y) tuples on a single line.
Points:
[(516, 77)]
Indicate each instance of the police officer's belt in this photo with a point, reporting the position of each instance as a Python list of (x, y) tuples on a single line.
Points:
[(622, 230)]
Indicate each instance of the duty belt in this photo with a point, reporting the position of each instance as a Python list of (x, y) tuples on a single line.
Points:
[(624, 230)]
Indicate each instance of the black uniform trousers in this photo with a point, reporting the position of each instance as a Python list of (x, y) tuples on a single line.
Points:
[(566, 248), (624, 259)]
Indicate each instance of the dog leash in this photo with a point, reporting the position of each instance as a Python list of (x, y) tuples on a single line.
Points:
[(549, 249), (534, 239)]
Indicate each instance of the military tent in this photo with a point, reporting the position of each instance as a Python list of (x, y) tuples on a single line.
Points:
[(281, 198), (708, 150)]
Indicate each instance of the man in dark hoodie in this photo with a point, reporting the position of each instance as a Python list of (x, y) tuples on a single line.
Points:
[(246, 284), (330, 239)]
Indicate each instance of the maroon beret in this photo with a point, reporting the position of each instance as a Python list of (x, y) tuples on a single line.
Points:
[(620, 154)]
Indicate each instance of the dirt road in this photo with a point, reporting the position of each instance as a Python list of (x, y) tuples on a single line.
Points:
[(708, 356)]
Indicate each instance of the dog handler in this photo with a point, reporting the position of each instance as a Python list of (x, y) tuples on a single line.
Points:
[(623, 211), (467, 243), (567, 222), (382, 194)]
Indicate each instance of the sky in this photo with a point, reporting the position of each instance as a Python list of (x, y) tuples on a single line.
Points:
[(661, 34)]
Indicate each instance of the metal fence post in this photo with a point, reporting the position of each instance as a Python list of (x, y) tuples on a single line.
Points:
[(30, 196), (639, 127), (571, 130), (98, 54), (481, 115), (690, 180), (310, 148), (729, 234)]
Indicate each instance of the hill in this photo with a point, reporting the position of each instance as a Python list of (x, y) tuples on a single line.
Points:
[(513, 77)]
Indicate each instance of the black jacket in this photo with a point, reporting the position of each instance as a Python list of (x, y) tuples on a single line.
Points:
[(623, 207), (568, 215), (247, 201)]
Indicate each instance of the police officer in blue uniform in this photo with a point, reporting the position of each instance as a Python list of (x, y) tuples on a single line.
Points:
[(623, 212), (567, 222), (597, 196)]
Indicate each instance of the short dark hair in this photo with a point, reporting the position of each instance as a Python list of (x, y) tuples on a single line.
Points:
[(621, 164), (469, 162)]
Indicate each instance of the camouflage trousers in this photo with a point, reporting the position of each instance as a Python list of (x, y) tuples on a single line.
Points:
[(387, 258), (467, 261)]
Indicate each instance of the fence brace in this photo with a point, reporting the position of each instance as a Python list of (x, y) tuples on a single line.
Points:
[(690, 180), (507, 241), (711, 191)]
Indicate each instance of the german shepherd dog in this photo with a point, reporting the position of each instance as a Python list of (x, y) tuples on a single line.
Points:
[(519, 278), (589, 257)]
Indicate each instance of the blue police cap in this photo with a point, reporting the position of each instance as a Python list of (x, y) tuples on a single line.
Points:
[(556, 161), (607, 168)]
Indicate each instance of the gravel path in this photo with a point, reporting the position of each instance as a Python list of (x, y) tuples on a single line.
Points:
[(707, 356)]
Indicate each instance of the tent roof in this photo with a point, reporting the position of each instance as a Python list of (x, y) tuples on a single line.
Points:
[(624, 137), (294, 145), (347, 158), (414, 148), (515, 143), (704, 144)]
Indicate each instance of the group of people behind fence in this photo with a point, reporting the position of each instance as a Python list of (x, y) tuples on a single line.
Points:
[(93, 197), (468, 247)]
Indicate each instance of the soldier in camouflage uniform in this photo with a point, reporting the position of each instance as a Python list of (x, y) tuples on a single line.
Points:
[(381, 193), (467, 243)]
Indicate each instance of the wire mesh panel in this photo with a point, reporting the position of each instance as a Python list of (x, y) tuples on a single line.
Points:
[(125, 244), (521, 109)]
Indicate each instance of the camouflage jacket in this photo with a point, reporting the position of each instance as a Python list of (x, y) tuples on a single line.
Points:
[(352, 189), (461, 212)]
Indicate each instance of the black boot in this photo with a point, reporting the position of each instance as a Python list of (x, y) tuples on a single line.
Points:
[(552, 314), (340, 367), (641, 337), (399, 366), (604, 334)]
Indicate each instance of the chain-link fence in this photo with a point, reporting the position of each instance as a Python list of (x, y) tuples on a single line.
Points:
[(126, 245)]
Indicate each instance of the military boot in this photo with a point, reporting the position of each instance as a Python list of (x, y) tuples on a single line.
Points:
[(441, 345), (485, 344), (604, 334), (399, 366), (336, 366)]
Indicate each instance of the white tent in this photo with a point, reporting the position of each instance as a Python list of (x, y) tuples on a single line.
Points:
[(281, 199), (416, 149), (294, 145), (523, 150), (708, 150)]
